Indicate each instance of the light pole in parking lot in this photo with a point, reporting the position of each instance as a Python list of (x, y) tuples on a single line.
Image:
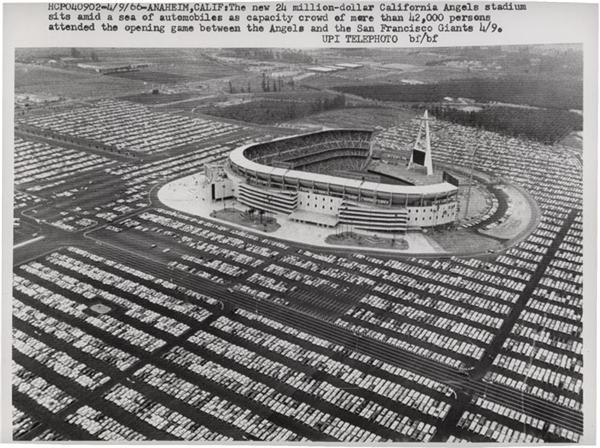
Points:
[(223, 197), (466, 369)]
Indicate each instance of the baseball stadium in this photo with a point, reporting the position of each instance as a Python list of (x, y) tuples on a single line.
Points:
[(339, 186), (333, 177)]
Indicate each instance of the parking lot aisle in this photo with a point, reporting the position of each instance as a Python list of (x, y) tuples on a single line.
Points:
[(112, 372), (448, 426), (24, 426), (111, 340), (395, 325), (495, 346), (339, 353), (192, 412), (245, 302), (342, 336), (138, 244), (84, 396), (101, 287), (515, 419), (37, 412), (226, 296), (291, 391), (549, 411), (319, 374), (173, 362), (123, 418), (162, 294)]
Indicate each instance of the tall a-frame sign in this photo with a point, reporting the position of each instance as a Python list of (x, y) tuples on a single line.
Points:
[(421, 153)]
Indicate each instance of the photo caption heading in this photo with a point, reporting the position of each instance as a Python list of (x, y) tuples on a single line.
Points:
[(377, 23)]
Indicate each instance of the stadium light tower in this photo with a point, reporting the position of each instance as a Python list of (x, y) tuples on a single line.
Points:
[(421, 153)]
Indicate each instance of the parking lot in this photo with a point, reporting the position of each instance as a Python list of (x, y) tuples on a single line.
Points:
[(145, 323)]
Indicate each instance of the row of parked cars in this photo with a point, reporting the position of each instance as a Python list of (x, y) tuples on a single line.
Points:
[(102, 426), (543, 354), (161, 417), (330, 348), (414, 336), (443, 319), (40, 162), (58, 361), (559, 359), (341, 269), (517, 418), (406, 396), (239, 240), (39, 390), (159, 291), (295, 276), (122, 288), (246, 418), (113, 357), (73, 307), (492, 430), (130, 127)]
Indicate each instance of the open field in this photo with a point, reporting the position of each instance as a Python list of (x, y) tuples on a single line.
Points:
[(463, 241), (567, 93), (159, 98), (151, 76), (359, 117), (43, 80)]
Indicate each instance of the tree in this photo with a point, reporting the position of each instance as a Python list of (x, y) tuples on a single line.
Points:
[(75, 53), (94, 56)]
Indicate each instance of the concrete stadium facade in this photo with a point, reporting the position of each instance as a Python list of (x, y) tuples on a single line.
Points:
[(270, 177)]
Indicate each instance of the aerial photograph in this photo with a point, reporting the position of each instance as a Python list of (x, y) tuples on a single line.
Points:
[(298, 245)]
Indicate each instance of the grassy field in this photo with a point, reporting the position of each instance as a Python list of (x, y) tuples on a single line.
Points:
[(42, 80), (367, 241), (540, 92), (192, 63), (263, 223), (458, 241), (160, 98), (151, 76), (363, 117)]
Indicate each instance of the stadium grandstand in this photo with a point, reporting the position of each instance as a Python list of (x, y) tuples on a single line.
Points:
[(330, 177)]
